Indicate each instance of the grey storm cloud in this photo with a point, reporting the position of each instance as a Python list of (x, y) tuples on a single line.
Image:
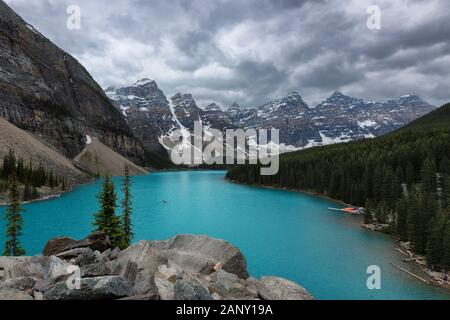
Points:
[(252, 51)]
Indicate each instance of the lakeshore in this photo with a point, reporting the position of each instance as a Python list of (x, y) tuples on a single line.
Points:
[(433, 278)]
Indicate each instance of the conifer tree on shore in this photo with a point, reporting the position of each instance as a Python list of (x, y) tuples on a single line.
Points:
[(106, 219), (127, 209), (14, 220)]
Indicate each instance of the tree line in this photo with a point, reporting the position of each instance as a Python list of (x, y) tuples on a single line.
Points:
[(402, 180), (29, 176)]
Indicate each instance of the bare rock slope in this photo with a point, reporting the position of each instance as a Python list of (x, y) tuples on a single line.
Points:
[(29, 147), (99, 159)]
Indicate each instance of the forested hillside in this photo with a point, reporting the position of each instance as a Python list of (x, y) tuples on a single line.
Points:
[(403, 179), (30, 178)]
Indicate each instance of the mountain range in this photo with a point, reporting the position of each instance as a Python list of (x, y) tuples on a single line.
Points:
[(340, 118)]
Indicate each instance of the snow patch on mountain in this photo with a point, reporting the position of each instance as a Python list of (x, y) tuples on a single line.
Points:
[(367, 124)]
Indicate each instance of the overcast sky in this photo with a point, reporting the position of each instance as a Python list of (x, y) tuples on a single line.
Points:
[(252, 51)]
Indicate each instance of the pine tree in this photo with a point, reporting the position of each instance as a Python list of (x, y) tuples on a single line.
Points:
[(429, 181), (435, 240), (14, 221), (416, 227), (127, 209), (106, 219), (401, 219), (27, 193)]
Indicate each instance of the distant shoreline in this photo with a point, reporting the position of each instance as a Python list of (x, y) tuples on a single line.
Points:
[(311, 193)]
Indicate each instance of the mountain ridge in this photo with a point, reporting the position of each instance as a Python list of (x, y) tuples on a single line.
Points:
[(339, 118)]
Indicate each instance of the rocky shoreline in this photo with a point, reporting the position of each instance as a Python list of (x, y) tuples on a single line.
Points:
[(185, 267)]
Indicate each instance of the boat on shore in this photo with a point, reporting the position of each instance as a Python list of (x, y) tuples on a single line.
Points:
[(352, 210)]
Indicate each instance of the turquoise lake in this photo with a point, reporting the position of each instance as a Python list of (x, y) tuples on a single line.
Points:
[(281, 233)]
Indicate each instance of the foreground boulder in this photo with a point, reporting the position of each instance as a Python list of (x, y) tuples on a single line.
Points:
[(7, 293), (95, 241), (185, 267), (39, 268), (98, 288), (274, 288), (25, 284), (188, 290), (197, 254)]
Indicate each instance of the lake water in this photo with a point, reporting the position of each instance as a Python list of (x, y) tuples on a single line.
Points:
[(281, 233)]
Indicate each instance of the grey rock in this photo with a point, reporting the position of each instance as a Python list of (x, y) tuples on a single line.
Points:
[(106, 254), (9, 262), (196, 253), (239, 292), (252, 285), (170, 274), (95, 270), (145, 285), (114, 254), (86, 258), (226, 279), (21, 284), (39, 267), (7, 293), (216, 296), (217, 288), (96, 241), (73, 253), (275, 288), (140, 256), (43, 284), (57, 245), (98, 288), (165, 288), (38, 295), (188, 290)]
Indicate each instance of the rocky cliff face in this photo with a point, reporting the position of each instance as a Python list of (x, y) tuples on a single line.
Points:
[(46, 91), (186, 267)]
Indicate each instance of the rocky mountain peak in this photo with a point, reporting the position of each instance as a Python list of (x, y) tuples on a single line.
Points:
[(294, 94), (185, 99), (234, 106), (186, 109), (144, 82), (292, 103), (409, 98), (340, 98), (212, 107), (144, 88)]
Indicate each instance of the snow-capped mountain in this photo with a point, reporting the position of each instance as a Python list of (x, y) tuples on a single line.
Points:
[(146, 110), (186, 110), (339, 118), (214, 117)]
